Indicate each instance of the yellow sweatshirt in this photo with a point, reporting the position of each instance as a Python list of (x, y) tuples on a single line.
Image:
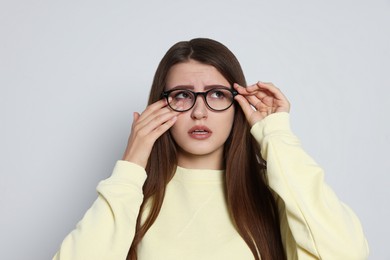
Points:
[(194, 222)]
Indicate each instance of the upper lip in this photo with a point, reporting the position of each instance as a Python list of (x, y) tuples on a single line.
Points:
[(199, 128)]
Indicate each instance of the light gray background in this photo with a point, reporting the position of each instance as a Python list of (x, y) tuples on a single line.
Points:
[(72, 73)]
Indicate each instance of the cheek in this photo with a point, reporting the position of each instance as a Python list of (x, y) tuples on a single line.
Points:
[(225, 122), (230, 117), (230, 120)]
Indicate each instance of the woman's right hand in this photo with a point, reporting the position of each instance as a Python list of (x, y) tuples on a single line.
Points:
[(146, 129)]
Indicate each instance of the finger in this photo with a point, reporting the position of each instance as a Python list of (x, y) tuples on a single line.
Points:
[(156, 119), (154, 107), (277, 93), (159, 131), (148, 115), (254, 100), (245, 105), (155, 129), (253, 90), (159, 116), (261, 85), (270, 96), (240, 89), (136, 116)]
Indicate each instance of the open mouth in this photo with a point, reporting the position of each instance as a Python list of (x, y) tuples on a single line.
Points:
[(200, 132)]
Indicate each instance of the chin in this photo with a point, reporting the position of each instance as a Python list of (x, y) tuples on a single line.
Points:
[(199, 151)]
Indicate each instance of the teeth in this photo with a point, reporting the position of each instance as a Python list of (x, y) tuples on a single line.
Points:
[(200, 131)]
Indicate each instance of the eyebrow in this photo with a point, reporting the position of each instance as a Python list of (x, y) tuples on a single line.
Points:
[(205, 88)]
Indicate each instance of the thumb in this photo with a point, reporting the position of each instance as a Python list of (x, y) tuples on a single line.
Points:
[(245, 106), (252, 116)]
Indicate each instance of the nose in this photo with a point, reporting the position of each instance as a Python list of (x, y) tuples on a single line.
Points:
[(199, 110)]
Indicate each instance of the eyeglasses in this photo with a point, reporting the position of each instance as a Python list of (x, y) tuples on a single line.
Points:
[(217, 99)]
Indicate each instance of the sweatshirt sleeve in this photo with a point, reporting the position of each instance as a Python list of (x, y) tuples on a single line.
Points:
[(107, 228), (315, 224)]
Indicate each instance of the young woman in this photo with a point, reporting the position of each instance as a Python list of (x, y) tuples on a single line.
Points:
[(213, 171)]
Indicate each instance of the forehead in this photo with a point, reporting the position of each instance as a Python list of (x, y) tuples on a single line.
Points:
[(195, 74)]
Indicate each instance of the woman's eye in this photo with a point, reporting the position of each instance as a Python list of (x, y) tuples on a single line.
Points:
[(182, 95), (217, 94)]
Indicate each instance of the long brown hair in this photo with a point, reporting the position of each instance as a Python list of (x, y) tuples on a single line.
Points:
[(250, 201)]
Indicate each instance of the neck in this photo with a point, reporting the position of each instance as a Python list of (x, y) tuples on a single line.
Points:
[(205, 161)]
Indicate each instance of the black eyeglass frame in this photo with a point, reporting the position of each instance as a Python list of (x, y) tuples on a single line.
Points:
[(165, 95)]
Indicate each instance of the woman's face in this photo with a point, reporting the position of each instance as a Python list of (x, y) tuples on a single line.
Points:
[(200, 133)]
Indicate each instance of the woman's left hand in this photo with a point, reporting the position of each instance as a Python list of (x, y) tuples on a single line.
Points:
[(260, 100)]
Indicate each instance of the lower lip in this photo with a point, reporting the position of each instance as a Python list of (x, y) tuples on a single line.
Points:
[(200, 136)]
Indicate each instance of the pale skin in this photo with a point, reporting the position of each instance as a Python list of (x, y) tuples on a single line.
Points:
[(193, 153), (257, 102)]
